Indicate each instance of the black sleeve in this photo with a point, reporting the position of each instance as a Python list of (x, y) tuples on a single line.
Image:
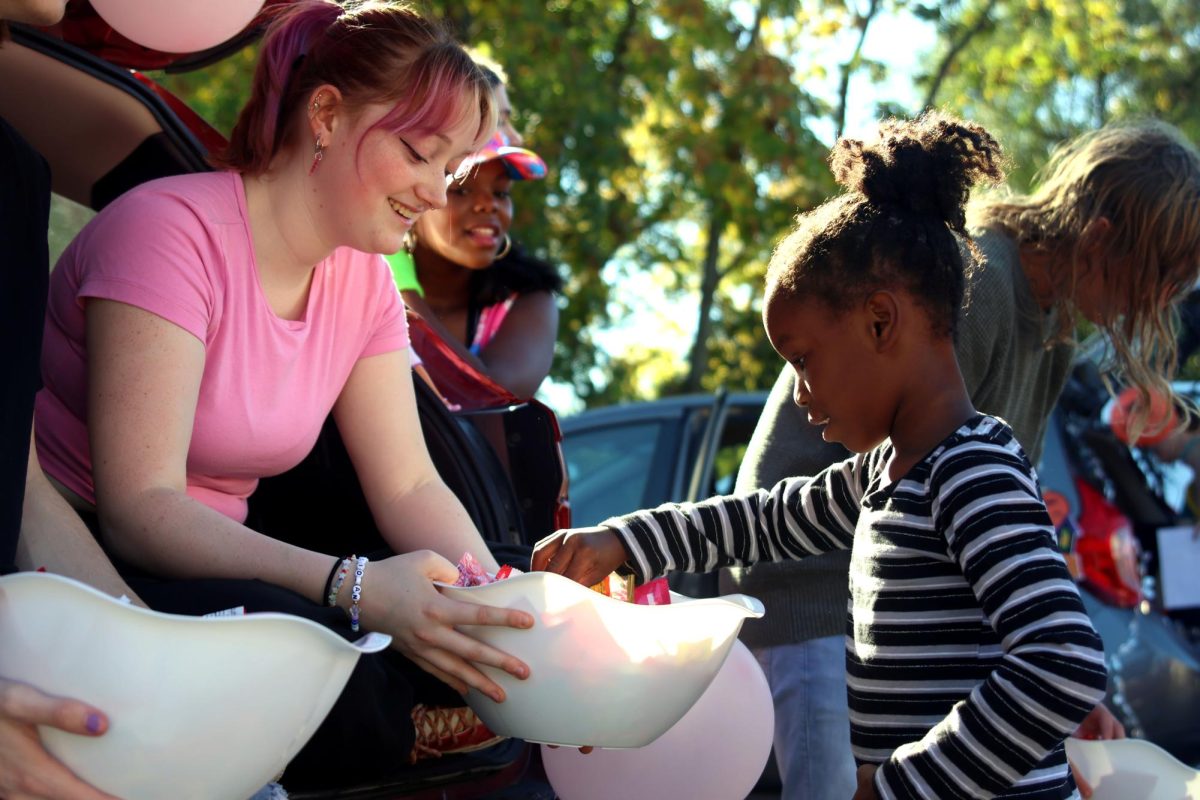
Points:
[(24, 275)]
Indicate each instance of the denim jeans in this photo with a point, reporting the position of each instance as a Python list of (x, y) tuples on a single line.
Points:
[(812, 722)]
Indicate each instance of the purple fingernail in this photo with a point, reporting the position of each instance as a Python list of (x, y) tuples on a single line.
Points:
[(93, 723)]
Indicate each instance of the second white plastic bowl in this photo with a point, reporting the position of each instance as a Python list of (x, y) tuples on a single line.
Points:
[(602, 672)]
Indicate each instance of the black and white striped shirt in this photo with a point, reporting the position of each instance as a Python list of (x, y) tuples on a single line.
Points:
[(969, 654)]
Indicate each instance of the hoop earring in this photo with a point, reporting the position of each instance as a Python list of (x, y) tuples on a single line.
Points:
[(318, 154), (503, 250)]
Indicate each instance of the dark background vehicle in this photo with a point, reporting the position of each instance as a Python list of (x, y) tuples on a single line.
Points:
[(637, 455), (1108, 501), (105, 128)]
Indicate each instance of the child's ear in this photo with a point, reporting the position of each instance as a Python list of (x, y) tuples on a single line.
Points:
[(883, 316)]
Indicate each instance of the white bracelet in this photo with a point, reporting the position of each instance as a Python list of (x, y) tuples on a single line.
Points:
[(356, 592)]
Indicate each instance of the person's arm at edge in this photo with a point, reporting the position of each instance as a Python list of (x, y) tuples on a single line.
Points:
[(54, 537), (519, 357)]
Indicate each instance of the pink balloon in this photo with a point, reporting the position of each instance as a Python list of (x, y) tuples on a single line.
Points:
[(717, 751), (178, 26)]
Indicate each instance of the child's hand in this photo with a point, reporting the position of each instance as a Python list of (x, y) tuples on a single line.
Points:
[(584, 555), (866, 783), (1100, 724)]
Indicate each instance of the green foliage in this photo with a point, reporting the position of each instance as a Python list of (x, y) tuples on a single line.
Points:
[(216, 92), (680, 145), (682, 137), (1036, 72)]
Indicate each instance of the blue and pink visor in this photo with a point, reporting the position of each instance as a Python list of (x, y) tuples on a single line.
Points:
[(519, 163)]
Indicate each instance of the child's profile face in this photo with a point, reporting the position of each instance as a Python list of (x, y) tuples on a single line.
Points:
[(840, 378)]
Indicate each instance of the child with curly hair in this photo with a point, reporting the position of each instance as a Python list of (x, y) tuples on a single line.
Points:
[(970, 656)]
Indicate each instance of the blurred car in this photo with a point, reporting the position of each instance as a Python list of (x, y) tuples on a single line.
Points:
[(75, 93), (637, 455), (1107, 501)]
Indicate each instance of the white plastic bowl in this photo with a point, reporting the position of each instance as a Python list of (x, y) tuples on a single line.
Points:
[(603, 672), (198, 708), (1121, 769)]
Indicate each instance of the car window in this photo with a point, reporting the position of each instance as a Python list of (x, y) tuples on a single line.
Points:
[(67, 218), (738, 425), (610, 469)]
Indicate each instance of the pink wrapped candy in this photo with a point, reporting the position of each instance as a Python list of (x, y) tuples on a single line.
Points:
[(472, 573)]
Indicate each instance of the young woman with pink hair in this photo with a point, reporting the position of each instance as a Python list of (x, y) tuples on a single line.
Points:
[(203, 327)]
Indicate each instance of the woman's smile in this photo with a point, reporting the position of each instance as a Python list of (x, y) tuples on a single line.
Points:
[(406, 213)]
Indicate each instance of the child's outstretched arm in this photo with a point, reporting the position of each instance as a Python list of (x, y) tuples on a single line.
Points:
[(1047, 672), (796, 518)]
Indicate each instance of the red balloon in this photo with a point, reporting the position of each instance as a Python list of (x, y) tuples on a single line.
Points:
[(1160, 423)]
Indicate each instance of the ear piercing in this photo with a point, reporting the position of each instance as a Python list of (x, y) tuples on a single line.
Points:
[(318, 154)]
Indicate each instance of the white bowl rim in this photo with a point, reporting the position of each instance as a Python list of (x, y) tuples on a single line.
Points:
[(1131, 744), (752, 606), (371, 642)]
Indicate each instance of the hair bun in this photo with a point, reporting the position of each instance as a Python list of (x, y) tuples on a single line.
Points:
[(926, 166)]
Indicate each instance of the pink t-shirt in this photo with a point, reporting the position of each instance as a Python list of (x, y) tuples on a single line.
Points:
[(180, 248)]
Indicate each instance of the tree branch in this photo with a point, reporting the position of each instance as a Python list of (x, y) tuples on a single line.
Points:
[(956, 48), (862, 21), (698, 357)]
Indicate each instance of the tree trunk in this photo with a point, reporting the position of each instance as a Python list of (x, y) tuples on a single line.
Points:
[(698, 356)]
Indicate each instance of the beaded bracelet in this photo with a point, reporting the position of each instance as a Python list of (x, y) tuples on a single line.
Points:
[(343, 571), (337, 562), (356, 592)]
